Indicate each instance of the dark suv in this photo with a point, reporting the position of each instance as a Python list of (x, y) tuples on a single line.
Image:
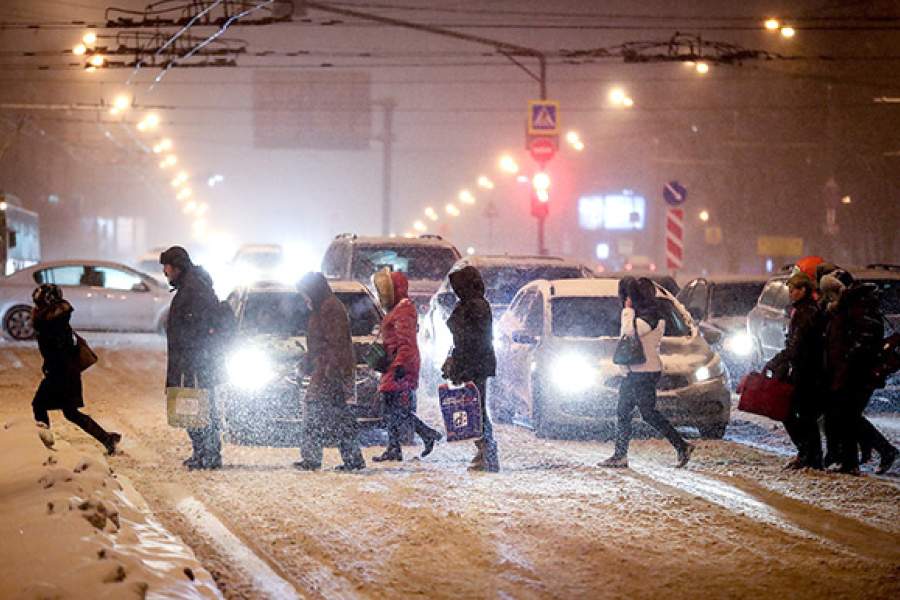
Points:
[(767, 323), (425, 260)]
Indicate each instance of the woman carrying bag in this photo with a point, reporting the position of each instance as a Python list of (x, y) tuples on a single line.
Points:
[(642, 321), (61, 387)]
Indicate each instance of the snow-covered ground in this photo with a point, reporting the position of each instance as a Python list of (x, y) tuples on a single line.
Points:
[(552, 524)]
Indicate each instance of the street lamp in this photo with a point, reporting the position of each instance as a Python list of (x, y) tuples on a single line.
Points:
[(628, 102), (121, 102), (79, 50), (90, 38), (508, 164), (702, 68), (466, 197), (184, 194), (704, 216), (452, 210), (788, 32), (431, 214), (772, 24), (97, 60), (484, 182), (168, 161), (617, 95), (419, 226)]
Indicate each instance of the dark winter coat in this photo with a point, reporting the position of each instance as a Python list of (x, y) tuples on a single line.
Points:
[(471, 324), (330, 359), (189, 331), (853, 337), (800, 362), (61, 386), (399, 335)]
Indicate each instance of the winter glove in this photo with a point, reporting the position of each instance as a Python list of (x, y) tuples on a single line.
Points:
[(399, 373), (447, 368)]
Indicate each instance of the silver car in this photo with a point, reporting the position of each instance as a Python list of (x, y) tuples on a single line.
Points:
[(555, 370), (107, 296)]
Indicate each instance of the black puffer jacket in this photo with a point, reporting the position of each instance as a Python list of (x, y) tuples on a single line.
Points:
[(189, 330), (471, 324), (853, 337), (61, 387), (801, 360)]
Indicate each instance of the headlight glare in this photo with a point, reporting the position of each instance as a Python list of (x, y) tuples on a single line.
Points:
[(573, 373), (702, 374), (250, 369), (740, 344)]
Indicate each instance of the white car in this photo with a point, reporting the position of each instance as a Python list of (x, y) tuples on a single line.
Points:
[(555, 369), (107, 296)]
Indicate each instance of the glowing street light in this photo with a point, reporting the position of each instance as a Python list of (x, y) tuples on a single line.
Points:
[(617, 95), (628, 102), (772, 24), (180, 179), (419, 226), (485, 182), (702, 68), (431, 214), (121, 102), (579, 146), (452, 210), (704, 216), (572, 137), (79, 50), (508, 164), (846, 200), (169, 161), (90, 38), (788, 32), (189, 207), (466, 197), (184, 194), (97, 60)]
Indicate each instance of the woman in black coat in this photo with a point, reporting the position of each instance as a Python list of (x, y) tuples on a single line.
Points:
[(61, 387)]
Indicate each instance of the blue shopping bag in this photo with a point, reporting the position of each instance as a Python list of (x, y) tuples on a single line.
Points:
[(461, 409)]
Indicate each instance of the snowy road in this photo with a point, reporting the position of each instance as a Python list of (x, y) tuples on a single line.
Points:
[(550, 525)]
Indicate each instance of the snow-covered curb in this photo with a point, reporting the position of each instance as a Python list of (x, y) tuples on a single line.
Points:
[(71, 528)]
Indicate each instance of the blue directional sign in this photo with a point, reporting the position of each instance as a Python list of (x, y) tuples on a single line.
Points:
[(674, 193), (543, 117)]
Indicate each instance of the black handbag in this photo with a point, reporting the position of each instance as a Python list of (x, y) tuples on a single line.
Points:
[(629, 350)]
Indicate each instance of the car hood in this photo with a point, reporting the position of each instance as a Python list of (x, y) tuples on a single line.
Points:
[(681, 356)]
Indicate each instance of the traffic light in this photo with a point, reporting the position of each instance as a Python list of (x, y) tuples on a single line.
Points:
[(540, 195)]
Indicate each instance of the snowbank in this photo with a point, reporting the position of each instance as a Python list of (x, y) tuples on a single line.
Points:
[(72, 529)]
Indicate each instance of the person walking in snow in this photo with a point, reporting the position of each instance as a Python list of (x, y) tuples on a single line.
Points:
[(190, 348), (61, 389), (800, 363), (641, 316), (331, 364), (472, 357), (401, 379)]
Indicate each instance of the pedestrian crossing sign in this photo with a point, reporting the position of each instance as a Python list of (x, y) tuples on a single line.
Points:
[(543, 117)]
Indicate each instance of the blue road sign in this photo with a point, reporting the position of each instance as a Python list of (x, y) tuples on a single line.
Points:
[(543, 117), (674, 193)]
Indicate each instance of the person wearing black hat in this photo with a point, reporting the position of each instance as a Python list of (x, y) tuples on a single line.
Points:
[(60, 389), (189, 344), (800, 363)]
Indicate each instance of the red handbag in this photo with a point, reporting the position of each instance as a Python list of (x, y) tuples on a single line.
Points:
[(765, 396)]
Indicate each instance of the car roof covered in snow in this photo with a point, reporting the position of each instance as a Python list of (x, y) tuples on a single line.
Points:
[(513, 260), (733, 278), (582, 287), (422, 240)]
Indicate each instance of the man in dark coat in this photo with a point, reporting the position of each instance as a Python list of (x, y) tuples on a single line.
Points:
[(800, 363), (61, 387), (331, 364), (472, 357), (189, 340), (852, 340)]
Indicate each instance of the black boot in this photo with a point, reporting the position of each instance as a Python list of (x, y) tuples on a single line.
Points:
[(391, 454), (887, 461), (429, 440), (112, 442)]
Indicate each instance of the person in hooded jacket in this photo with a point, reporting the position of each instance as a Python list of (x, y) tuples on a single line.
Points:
[(399, 383), (800, 363), (60, 389), (642, 317), (190, 347), (330, 362), (472, 357), (853, 335)]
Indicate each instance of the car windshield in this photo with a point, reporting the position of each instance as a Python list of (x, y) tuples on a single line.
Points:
[(286, 314), (889, 292), (734, 299), (417, 262), (502, 283), (601, 317)]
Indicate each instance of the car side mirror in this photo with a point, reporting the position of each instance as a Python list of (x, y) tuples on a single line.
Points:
[(523, 337)]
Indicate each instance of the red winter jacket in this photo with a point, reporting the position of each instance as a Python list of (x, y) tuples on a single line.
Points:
[(399, 338)]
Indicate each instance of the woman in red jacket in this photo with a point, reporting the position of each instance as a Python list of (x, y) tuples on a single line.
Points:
[(398, 384)]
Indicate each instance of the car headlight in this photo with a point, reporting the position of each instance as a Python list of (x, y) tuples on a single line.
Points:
[(709, 371), (250, 369), (573, 373), (740, 344)]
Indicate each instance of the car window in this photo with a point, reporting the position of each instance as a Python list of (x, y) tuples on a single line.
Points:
[(364, 315), (698, 300), (772, 295), (417, 262), (117, 279), (275, 313), (502, 283), (684, 296), (534, 318), (734, 299), (521, 307), (676, 325), (585, 317), (68, 275)]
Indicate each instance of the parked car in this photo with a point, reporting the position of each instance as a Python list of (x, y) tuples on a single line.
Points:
[(261, 397), (107, 296), (425, 260), (768, 322), (503, 276), (719, 305), (555, 368)]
